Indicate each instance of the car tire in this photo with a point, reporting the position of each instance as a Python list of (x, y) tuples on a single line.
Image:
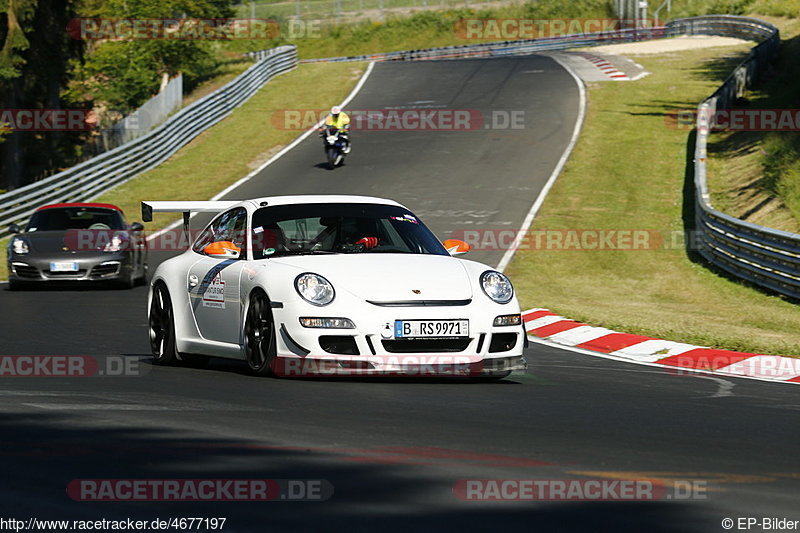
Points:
[(127, 282), (161, 326), (142, 278), (260, 343), (15, 285)]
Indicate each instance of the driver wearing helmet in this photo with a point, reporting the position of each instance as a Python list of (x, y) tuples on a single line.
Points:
[(339, 120)]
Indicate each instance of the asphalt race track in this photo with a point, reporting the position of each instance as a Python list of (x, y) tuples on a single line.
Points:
[(394, 450)]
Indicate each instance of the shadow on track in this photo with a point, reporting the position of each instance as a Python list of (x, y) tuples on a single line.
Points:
[(43, 453), (230, 366)]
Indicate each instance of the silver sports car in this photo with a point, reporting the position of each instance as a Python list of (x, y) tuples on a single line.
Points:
[(77, 242)]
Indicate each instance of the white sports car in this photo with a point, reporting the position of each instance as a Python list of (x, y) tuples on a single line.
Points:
[(330, 285)]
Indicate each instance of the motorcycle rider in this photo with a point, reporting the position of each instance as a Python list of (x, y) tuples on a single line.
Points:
[(341, 121)]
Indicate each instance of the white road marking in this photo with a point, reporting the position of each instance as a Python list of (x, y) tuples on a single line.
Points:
[(543, 321), (654, 349), (506, 259), (579, 335), (277, 156), (725, 387)]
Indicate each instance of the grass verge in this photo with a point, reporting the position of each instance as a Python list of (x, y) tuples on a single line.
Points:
[(230, 66), (212, 161), (628, 172)]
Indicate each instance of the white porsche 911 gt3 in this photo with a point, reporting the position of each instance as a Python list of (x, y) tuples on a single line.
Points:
[(330, 285)]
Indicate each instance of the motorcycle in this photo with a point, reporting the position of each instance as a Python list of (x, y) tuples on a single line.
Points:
[(334, 141)]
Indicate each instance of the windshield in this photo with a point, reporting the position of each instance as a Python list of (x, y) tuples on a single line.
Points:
[(64, 218), (340, 228)]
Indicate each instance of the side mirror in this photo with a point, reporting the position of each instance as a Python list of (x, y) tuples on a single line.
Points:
[(222, 250), (136, 227), (13, 228), (456, 247)]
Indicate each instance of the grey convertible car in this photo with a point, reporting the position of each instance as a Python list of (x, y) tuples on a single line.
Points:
[(77, 242)]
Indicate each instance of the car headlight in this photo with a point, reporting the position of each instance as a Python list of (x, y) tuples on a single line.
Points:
[(314, 288), (507, 320), (322, 322), (114, 245), (497, 286), (20, 246)]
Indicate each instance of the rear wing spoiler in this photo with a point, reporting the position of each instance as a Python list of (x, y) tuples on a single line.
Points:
[(148, 208)]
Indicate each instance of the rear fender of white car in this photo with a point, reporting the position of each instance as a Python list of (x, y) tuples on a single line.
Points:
[(172, 273)]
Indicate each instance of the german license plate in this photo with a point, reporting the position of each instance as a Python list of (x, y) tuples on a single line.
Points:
[(421, 329), (64, 267)]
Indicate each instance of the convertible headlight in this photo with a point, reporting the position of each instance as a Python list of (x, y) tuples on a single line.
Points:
[(20, 246), (314, 288), (497, 286), (114, 245)]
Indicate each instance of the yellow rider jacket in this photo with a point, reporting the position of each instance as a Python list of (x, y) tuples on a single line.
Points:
[(341, 122)]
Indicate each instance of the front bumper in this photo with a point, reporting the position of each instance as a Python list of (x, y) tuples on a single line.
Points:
[(371, 349), (91, 267)]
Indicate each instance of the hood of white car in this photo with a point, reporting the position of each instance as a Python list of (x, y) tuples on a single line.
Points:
[(390, 277)]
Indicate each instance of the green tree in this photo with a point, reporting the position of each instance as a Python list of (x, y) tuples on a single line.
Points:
[(42, 66), (17, 14), (122, 74), (33, 70)]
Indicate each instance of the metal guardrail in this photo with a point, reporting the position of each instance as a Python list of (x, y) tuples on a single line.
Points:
[(99, 174), (766, 257), (506, 48)]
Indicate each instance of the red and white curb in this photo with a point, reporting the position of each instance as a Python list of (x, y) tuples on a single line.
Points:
[(605, 66), (544, 324)]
